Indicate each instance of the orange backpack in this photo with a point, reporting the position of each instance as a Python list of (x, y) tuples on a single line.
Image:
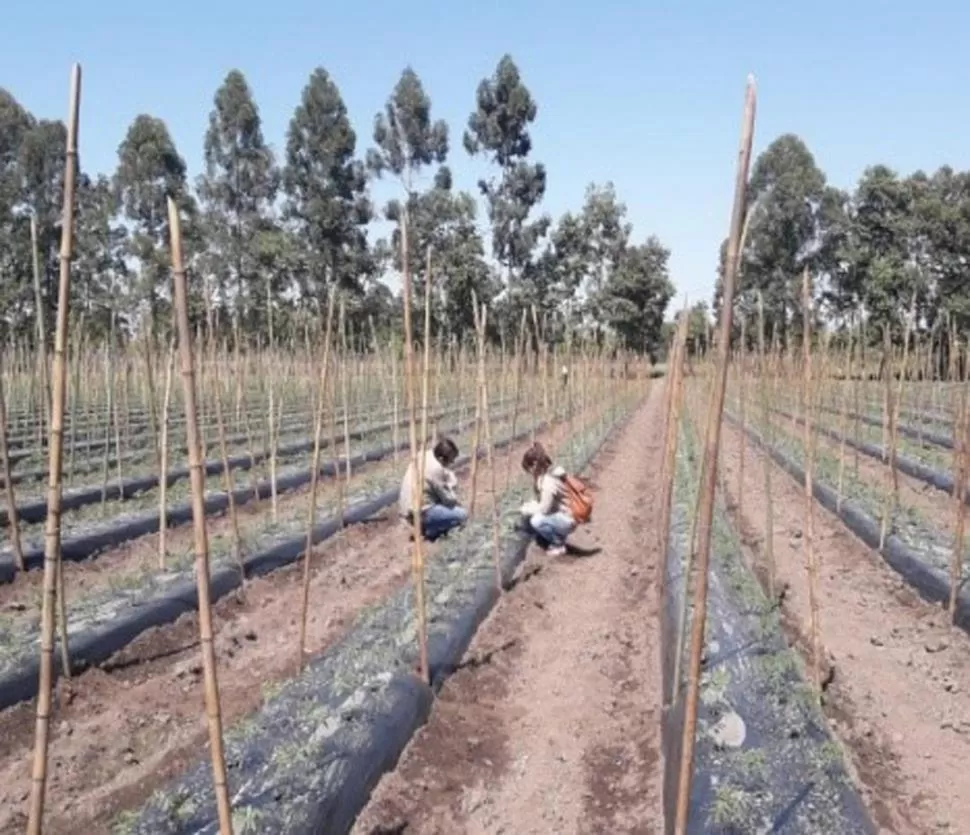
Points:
[(579, 500)]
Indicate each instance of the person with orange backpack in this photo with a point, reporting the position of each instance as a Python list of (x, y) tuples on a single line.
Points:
[(562, 501)]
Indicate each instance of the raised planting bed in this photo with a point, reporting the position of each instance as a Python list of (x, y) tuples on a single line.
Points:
[(35, 510), (106, 619), (921, 435), (915, 547), (88, 545), (909, 466), (294, 423), (764, 760), (139, 424), (307, 761)]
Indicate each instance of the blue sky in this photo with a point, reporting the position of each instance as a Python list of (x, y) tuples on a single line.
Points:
[(647, 95)]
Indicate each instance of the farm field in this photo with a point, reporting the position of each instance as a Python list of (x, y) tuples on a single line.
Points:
[(345, 490)]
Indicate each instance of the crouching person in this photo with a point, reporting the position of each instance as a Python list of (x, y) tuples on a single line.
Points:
[(562, 501), (440, 509)]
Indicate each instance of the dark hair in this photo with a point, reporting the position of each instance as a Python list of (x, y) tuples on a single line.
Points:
[(536, 460), (446, 451)]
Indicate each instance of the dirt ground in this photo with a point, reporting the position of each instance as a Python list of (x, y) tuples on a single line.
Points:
[(552, 724), (898, 700), (138, 720)]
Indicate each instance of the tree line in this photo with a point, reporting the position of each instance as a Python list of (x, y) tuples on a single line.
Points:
[(892, 250), (267, 238)]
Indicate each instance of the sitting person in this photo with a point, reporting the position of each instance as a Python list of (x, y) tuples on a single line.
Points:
[(440, 510), (549, 514)]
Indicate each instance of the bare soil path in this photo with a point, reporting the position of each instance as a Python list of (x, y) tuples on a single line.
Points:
[(898, 700), (552, 725)]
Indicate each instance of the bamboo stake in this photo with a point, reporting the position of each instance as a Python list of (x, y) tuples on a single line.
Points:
[(41, 317), (519, 358), (417, 491), (152, 397), (315, 477), (345, 396), (109, 417), (744, 434), (52, 535), (163, 471), (671, 437), (766, 459), (481, 322), (227, 479), (271, 408), (426, 366), (894, 424), (887, 434), (478, 416), (332, 403), (212, 706), (960, 460), (706, 514), (75, 399), (811, 562), (843, 423), (12, 517)]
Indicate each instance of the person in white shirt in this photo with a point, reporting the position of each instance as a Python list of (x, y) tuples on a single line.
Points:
[(548, 515), (440, 508)]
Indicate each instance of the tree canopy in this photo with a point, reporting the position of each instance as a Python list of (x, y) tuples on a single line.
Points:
[(265, 234), (874, 252)]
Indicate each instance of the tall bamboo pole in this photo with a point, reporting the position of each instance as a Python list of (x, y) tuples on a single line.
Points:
[(675, 383), (194, 441), (41, 318), (481, 322), (417, 491), (315, 476), (706, 509), (345, 397), (227, 479), (763, 372), (519, 359), (52, 536), (744, 435), (163, 458), (477, 439), (425, 370), (13, 520), (811, 559)]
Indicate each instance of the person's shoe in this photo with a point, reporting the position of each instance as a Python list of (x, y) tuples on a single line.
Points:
[(556, 550)]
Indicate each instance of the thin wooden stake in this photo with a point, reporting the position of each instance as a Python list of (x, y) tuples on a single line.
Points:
[(13, 520), (315, 477), (163, 458), (481, 322), (212, 706), (417, 488), (706, 514), (764, 371), (227, 479), (811, 563), (52, 535), (478, 418)]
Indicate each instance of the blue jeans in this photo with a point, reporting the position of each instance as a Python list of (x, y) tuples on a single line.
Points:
[(438, 519), (553, 528)]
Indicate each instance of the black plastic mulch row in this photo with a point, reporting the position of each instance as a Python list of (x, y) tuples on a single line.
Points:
[(292, 423), (308, 760), (931, 583), (96, 644), (909, 466), (35, 510), (763, 760), (89, 545)]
